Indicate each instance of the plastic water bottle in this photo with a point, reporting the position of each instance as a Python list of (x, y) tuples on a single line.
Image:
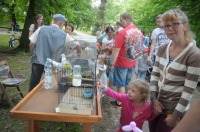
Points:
[(97, 67), (48, 74)]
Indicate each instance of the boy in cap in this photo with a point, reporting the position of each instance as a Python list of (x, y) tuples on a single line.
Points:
[(142, 64), (44, 42)]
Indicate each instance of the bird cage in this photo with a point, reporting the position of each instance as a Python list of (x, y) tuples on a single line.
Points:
[(77, 78)]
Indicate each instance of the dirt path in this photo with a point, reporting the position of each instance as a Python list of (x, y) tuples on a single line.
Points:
[(85, 37), (3, 31)]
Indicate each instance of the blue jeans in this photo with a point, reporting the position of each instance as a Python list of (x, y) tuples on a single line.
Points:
[(141, 74), (122, 76), (108, 72), (153, 59)]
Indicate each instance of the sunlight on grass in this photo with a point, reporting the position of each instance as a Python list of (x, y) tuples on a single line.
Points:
[(7, 24), (4, 41)]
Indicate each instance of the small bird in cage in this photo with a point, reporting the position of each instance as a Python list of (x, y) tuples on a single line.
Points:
[(67, 68)]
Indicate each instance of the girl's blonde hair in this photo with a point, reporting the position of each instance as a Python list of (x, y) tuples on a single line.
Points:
[(175, 14), (143, 87)]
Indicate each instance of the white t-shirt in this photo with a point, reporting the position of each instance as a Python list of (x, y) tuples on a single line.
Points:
[(107, 43), (119, 29), (32, 27), (161, 38), (75, 40)]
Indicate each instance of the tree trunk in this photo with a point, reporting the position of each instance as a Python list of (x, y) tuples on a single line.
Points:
[(14, 20), (101, 15), (102, 9), (24, 40)]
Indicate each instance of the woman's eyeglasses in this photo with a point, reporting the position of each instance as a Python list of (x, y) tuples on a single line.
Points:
[(173, 25)]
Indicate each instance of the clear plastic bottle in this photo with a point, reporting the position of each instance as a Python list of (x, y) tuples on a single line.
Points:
[(97, 67), (48, 74)]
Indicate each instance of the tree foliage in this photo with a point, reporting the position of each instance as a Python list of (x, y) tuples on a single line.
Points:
[(192, 9), (13, 10), (81, 13), (100, 16), (145, 12), (78, 12), (113, 10)]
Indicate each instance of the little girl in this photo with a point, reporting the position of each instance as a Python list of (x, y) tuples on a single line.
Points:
[(134, 104)]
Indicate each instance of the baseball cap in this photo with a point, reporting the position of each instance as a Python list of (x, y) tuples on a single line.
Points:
[(146, 49), (59, 17)]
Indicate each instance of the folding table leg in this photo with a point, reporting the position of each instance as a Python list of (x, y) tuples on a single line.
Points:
[(32, 126), (87, 127)]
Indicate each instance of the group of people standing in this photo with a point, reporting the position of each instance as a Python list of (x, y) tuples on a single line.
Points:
[(44, 41), (173, 79), (175, 66)]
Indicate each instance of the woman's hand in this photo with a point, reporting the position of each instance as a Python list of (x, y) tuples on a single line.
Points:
[(109, 49), (100, 84), (149, 58), (157, 106), (111, 68), (171, 121)]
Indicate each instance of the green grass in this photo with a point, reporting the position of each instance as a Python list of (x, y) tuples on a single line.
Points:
[(8, 24), (21, 67), (5, 24), (4, 41)]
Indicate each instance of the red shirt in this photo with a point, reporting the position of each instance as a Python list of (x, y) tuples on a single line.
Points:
[(125, 37)]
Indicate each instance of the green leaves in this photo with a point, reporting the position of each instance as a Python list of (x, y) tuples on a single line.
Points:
[(144, 12), (81, 13)]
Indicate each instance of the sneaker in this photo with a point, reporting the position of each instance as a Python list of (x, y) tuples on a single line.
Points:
[(115, 104)]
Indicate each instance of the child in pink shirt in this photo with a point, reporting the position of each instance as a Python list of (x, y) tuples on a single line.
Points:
[(134, 104)]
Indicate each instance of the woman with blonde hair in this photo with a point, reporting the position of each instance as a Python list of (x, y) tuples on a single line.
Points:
[(175, 73)]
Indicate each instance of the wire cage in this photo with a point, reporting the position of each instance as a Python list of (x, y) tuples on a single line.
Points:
[(76, 91)]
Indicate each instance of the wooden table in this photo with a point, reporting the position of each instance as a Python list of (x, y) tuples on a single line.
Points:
[(39, 105)]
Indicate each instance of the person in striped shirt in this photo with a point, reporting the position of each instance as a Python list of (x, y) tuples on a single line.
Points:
[(175, 73)]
